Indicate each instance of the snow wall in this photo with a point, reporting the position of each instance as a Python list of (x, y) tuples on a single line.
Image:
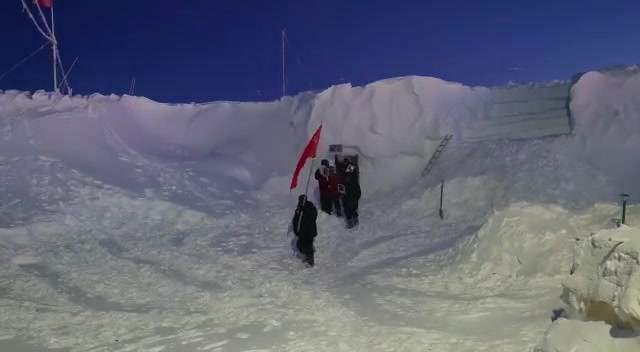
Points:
[(395, 123), (520, 112)]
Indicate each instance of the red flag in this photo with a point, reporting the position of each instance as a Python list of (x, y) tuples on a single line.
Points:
[(45, 3), (309, 152)]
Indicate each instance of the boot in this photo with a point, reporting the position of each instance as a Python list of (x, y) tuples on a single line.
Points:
[(350, 223)]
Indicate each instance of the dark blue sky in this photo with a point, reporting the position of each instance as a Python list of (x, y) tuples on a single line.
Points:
[(205, 50)]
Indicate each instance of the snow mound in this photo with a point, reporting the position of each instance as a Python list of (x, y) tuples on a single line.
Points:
[(604, 284), (525, 241)]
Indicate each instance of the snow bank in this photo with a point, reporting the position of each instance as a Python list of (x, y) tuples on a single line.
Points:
[(604, 284)]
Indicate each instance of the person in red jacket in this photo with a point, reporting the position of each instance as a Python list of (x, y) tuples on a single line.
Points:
[(328, 182), (322, 175)]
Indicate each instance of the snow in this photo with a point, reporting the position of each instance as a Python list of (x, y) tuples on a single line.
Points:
[(602, 295), (607, 128), (605, 275), (519, 112), (127, 224), (395, 124), (591, 336), (514, 240)]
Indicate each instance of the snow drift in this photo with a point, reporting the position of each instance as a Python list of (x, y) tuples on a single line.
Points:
[(526, 241), (514, 240)]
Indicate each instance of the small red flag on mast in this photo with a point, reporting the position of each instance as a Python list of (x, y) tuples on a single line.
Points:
[(45, 3)]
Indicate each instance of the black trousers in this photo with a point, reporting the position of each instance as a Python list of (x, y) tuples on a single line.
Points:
[(328, 203), (350, 209), (305, 246)]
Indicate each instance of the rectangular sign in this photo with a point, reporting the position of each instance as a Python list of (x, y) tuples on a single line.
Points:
[(335, 148)]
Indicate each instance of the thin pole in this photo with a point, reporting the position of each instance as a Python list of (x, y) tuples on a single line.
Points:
[(133, 86), (26, 8), (65, 75), (24, 60), (517, 71), (306, 191), (48, 35), (61, 67), (53, 39), (283, 61), (55, 50), (440, 210), (625, 197)]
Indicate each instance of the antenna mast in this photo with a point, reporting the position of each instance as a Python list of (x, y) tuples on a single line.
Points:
[(133, 86), (517, 69), (55, 52), (49, 33), (284, 37)]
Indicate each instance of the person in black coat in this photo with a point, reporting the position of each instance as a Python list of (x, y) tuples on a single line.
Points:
[(305, 217), (352, 194)]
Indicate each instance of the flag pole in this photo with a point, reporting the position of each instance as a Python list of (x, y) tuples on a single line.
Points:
[(306, 191)]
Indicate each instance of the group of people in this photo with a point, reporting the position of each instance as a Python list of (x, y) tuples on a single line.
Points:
[(340, 193)]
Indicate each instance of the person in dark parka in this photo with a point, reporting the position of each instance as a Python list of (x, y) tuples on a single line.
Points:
[(335, 180), (305, 216), (352, 194)]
